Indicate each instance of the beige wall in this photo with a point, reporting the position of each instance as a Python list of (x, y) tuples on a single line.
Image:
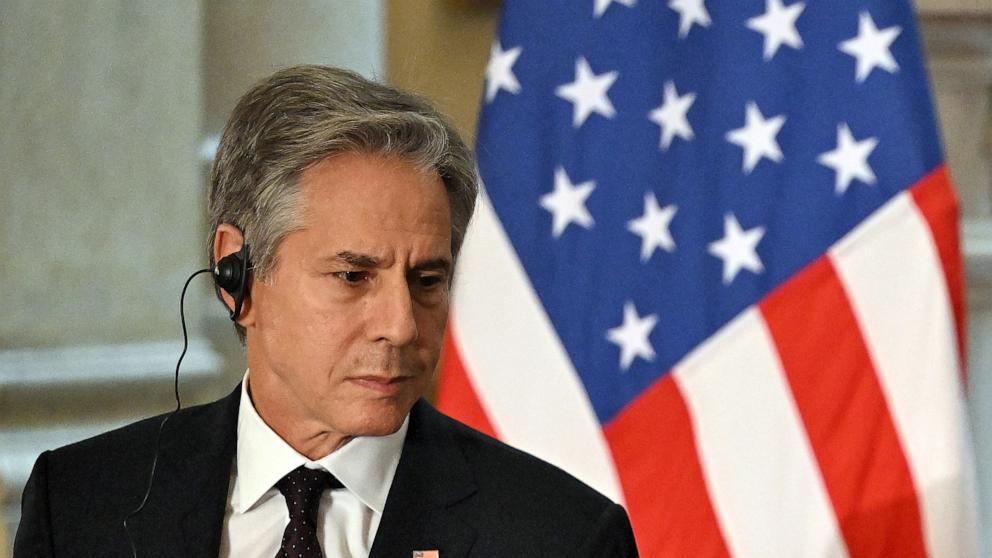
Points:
[(100, 123), (955, 7), (246, 41), (439, 49)]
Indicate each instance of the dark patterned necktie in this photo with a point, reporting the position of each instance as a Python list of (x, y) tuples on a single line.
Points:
[(302, 488)]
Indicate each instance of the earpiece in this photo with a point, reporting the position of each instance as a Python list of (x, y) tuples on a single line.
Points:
[(231, 274), (233, 270)]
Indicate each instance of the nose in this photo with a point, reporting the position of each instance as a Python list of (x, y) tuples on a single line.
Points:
[(391, 316)]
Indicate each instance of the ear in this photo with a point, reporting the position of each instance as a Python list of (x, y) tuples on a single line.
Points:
[(228, 240)]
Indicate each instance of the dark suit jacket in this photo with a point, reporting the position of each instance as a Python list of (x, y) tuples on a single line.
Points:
[(455, 490)]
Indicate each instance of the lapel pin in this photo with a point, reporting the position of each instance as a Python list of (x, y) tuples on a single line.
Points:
[(426, 554)]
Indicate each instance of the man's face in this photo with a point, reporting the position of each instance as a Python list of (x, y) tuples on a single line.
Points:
[(345, 333)]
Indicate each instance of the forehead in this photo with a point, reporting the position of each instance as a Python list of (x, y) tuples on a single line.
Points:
[(370, 198)]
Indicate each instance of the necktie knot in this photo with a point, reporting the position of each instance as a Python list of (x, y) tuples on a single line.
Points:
[(302, 488)]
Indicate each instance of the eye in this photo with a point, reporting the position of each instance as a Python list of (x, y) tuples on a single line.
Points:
[(429, 281), (352, 277)]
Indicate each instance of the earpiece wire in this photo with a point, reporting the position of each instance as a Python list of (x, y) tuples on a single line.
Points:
[(161, 426)]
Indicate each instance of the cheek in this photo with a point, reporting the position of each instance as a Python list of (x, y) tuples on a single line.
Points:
[(431, 323), (279, 314), (299, 309), (329, 337), (292, 325)]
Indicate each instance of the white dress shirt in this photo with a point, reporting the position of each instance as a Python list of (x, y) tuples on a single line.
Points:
[(348, 518)]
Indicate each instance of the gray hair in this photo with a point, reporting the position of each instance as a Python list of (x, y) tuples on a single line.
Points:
[(301, 115)]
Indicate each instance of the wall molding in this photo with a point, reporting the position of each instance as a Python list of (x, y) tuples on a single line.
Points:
[(98, 364)]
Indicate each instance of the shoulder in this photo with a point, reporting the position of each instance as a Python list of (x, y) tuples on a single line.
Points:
[(133, 440), (520, 498), (495, 463), (118, 460), (78, 495)]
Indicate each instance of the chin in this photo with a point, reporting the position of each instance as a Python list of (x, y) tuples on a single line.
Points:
[(378, 418)]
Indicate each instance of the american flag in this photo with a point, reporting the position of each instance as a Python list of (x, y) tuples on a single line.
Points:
[(716, 274)]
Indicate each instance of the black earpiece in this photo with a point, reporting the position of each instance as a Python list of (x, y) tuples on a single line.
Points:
[(231, 274)]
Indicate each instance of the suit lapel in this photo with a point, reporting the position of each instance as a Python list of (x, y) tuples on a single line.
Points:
[(185, 509), (432, 476)]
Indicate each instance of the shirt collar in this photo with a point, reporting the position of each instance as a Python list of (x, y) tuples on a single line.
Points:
[(365, 465)]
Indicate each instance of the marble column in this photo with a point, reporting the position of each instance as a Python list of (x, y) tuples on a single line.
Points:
[(100, 216), (100, 213)]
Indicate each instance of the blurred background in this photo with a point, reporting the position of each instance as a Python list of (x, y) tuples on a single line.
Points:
[(109, 115)]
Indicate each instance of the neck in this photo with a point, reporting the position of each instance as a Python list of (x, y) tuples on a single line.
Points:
[(308, 437)]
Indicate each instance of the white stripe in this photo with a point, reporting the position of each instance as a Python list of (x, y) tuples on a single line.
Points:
[(762, 477), (893, 276), (516, 361)]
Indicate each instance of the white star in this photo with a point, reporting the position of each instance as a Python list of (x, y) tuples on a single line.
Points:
[(849, 159), (690, 12), (588, 92), (602, 5), (653, 227), (632, 336), (499, 71), (778, 25), (737, 248), (757, 137), (671, 116), (567, 203), (871, 47)]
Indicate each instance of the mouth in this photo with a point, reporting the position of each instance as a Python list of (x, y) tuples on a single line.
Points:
[(383, 385)]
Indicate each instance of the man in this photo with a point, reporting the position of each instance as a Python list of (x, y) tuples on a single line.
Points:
[(354, 199)]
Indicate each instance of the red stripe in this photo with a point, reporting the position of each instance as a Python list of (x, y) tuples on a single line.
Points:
[(655, 454), (456, 396), (846, 417), (937, 201)]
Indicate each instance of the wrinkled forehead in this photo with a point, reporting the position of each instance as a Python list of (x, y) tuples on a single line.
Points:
[(376, 202), (386, 185)]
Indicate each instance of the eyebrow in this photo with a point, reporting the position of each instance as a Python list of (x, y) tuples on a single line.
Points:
[(355, 259), (366, 261)]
